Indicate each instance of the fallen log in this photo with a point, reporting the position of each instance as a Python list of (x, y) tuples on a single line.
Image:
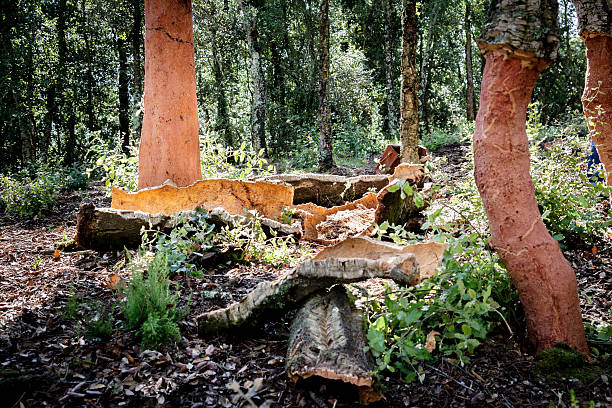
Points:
[(328, 190), (327, 340), (307, 278), (236, 196), (108, 228)]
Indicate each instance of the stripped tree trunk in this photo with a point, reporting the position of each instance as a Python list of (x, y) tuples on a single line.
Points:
[(326, 160), (392, 115), (595, 29), (515, 55), (258, 106), (409, 120), (169, 145), (469, 74)]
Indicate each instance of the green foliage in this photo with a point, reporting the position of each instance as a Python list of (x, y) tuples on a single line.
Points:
[(29, 194), (151, 303), (114, 167), (93, 319), (571, 206), (241, 163), (459, 307), (191, 235), (561, 361)]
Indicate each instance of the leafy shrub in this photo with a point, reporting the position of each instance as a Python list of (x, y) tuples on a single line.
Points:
[(114, 167), (570, 205), (92, 318), (458, 307), (190, 233), (26, 196), (76, 179), (151, 304)]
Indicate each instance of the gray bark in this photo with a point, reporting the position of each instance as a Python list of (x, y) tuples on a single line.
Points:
[(326, 161), (409, 120)]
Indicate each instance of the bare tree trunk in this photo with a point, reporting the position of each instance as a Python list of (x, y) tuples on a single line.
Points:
[(595, 28), (222, 124), (469, 74), (91, 115), (516, 53), (169, 145), (409, 120), (326, 160), (124, 97), (392, 114), (258, 106), (136, 38)]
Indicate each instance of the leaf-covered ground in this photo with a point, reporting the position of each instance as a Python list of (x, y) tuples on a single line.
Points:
[(47, 360)]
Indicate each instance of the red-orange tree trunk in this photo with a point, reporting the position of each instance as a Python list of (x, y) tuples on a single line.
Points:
[(169, 145), (545, 280), (595, 28), (519, 42)]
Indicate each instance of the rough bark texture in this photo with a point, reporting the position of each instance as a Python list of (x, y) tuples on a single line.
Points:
[(311, 276), (326, 161), (428, 255), (394, 208), (327, 340), (313, 216), (469, 74), (526, 27), (595, 28), (594, 17), (236, 196), (169, 145), (409, 112), (545, 280), (136, 39), (107, 228), (327, 189)]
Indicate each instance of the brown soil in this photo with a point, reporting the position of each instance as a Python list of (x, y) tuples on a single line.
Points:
[(45, 359)]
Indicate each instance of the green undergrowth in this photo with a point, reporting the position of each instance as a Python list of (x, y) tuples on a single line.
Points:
[(92, 319), (33, 190)]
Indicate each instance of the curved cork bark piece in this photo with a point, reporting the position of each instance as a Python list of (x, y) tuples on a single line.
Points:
[(544, 278), (328, 189), (313, 215), (236, 196), (309, 277), (327, 340), (428, 255), (169, 145)]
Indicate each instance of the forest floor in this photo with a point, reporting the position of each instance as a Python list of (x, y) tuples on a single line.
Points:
[(46, 359)]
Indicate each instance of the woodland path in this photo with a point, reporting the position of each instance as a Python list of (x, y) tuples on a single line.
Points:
[(46, 361)]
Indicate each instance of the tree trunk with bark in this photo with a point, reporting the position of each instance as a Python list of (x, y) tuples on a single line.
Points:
[(222, 125), (136, 39), (392, 114), (169, 145), (516, 53), (124, 97), (326, 160), (469, 74), (595, 29), (258, 106), (409, 119)]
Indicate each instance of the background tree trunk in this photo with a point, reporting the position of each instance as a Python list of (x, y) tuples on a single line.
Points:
[(136, 39), (326, 161), (392, 114), (222, 125), (409, 120), (258, 106), (595, 28), (469, 74), (169, 145), (515, 55), (124, 97)]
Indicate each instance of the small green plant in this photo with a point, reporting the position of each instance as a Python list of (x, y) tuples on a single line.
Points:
[(26, 195), (151, 303), (92, 318)]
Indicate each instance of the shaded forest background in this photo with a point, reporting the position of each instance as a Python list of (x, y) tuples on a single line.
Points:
[(72, 75)]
